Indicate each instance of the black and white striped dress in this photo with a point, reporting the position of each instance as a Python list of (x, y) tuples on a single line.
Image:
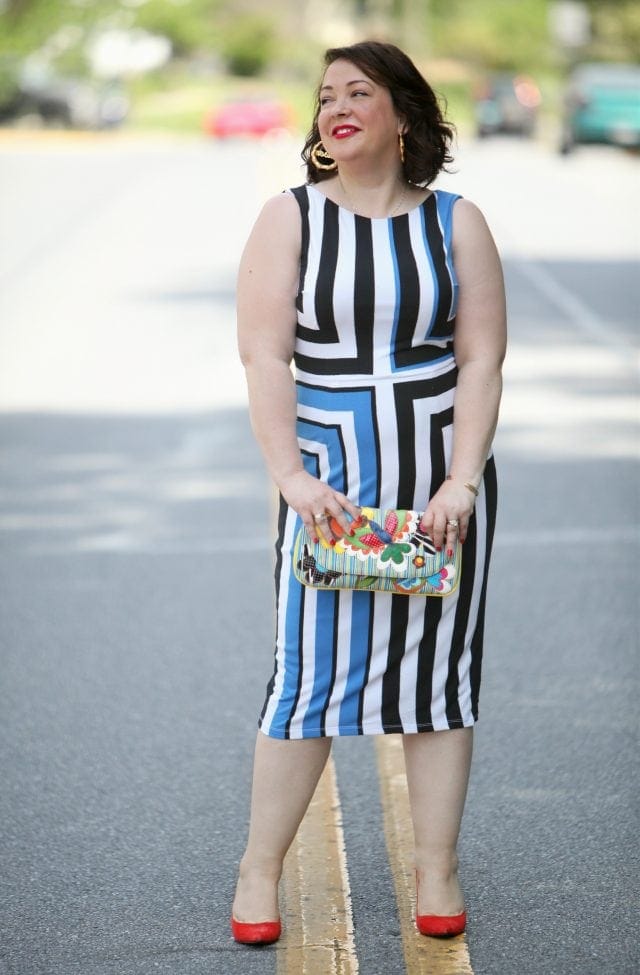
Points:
[(376, 377)]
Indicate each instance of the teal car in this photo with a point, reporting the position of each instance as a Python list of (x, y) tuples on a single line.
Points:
[(602, 104)]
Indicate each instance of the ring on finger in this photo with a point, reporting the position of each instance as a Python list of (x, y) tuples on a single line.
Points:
[(321, 516), (452, 523)]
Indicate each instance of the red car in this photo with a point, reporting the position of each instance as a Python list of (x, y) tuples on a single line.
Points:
[(247, 117)]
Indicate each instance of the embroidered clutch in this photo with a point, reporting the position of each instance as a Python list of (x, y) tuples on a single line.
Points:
[(385, 551)]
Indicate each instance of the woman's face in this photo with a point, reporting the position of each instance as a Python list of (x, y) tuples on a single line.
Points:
[(357, 117)]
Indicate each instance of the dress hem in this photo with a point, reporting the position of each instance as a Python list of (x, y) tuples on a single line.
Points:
[(355, 731)]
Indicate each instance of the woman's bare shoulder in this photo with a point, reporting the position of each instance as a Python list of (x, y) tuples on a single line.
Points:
[(283, 207), (277, 229), (467, 213), (470, 226), (278, 223)]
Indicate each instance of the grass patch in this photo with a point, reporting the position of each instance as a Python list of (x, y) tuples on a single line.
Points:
[(177, 102)]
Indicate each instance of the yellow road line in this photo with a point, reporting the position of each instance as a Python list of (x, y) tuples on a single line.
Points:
[(423, 956), (318, 922)]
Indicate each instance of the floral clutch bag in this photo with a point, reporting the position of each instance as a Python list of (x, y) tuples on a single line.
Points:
[(385, 551)]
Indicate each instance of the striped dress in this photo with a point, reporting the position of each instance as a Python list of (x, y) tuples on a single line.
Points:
[(375, 378)]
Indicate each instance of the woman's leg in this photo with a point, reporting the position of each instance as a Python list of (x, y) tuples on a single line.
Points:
[(438, 765), (285, 775)]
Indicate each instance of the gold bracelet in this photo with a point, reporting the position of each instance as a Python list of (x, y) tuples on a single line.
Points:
[(469, 487)]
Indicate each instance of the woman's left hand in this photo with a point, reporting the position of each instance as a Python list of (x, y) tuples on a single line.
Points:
[(447, 515)]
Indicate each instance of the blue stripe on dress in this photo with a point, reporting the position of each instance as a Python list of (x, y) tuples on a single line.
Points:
[(359, 403), (361, 609), (289, 640), (331, 438), (326, 606), (291, 664)]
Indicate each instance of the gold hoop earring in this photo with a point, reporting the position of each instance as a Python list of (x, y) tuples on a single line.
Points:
[(319, 152), (401, 144)]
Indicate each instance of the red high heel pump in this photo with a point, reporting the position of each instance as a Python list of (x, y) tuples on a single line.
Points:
[(441, 926), (261, 933)]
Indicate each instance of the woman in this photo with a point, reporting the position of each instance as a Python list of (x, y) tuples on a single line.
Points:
[(389, 297)]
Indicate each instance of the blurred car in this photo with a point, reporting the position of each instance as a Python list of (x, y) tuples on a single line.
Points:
[(11, 97), (507, 103), (253, 117), (76, 104), (602, 104), (38, 93)]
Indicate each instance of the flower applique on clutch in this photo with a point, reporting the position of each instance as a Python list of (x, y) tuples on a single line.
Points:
[(384, 551)]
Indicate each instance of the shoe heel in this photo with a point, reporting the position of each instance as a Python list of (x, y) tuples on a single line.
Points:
[(441, 926), (261, 933)]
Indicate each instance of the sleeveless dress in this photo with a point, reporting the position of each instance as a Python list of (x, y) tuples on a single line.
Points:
[(375, 379)]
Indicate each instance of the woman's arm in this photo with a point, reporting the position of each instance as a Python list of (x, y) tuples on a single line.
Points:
[(267, 287), (479, 345)]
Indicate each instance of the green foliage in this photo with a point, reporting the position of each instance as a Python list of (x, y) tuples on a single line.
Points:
[(190, 25), (507, 35), (616, 30), (251, 41), (492, 34), (248, 45), (495, 34), (8, 80), (27, 25), (56, 28)]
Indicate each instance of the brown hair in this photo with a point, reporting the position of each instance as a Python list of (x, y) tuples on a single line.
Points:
[(427, 137)]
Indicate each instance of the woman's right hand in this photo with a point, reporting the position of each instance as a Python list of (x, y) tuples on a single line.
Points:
[(316, 503)]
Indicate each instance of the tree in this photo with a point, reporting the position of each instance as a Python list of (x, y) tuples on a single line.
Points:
[(494, 34)]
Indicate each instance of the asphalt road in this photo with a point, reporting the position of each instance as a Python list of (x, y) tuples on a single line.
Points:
[(136, 563)]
